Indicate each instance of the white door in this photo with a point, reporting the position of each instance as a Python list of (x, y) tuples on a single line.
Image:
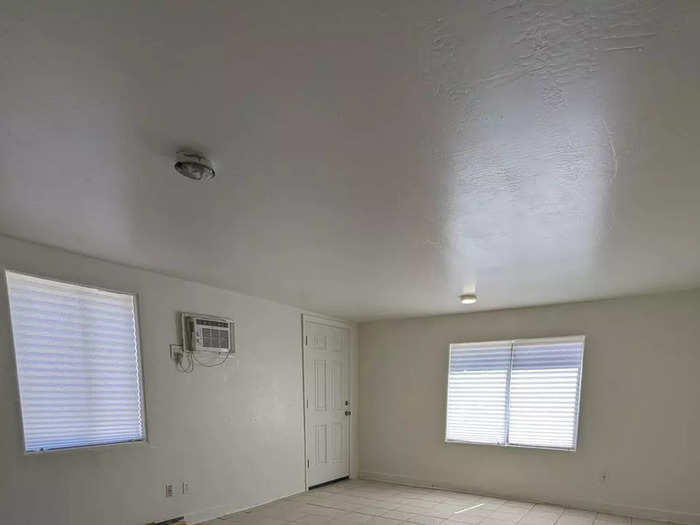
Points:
[(326, 399)]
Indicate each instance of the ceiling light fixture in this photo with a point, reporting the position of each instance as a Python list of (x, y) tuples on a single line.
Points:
[(194, 166), (467, 298)]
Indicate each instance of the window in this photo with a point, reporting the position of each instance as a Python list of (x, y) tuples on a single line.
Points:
[(515, 393), (78, 364)]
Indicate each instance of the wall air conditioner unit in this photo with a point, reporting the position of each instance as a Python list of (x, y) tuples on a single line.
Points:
[(207, 333)]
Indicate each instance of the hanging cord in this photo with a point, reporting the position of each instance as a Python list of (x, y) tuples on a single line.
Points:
[(210, 365), (190, 363)]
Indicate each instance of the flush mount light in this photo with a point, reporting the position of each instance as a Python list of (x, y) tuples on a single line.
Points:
[(467, 298), (194, 166)]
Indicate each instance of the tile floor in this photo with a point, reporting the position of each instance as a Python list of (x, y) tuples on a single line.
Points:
[(368, 502)]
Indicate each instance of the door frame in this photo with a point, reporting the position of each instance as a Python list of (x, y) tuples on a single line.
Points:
[(329, 321)]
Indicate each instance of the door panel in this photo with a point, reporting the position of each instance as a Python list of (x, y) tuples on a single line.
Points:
[(320, 383), (337, 392), (321, 444), (336, 449), (326, 388)]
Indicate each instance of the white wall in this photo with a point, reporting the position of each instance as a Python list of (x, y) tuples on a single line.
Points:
[(640, 407), (234, 432)]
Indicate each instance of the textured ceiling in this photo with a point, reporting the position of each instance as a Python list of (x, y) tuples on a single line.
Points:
[(374, 159)]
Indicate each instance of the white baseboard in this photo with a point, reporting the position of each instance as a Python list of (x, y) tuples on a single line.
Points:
[(222, 510), (688, 518)]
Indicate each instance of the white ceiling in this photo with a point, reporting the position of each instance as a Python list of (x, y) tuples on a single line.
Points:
[(375, 159)]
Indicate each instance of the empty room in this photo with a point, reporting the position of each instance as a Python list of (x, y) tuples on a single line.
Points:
[(357, 263)]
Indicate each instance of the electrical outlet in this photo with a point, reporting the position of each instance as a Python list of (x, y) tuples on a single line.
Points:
[(176, 352), (185, 487), (169, 490)]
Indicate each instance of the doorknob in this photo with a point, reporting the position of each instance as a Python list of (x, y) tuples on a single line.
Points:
[(347, 412)]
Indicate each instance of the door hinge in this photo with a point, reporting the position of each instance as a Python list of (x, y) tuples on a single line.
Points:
[(308, 464), (306, 340)]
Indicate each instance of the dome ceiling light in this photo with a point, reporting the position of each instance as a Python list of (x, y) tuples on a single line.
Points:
[(194, 166)]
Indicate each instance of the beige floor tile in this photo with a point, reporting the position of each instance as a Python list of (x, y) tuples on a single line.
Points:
[(639, 521), (357, 502), (611, 518), (574, 519)]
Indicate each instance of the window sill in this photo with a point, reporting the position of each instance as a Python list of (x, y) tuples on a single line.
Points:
[(95, 448), (507, 445)]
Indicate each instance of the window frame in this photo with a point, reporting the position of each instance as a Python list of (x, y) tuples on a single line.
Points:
[(513, 343), (139, 357)]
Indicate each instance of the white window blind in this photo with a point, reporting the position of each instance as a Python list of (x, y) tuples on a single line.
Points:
[(544, 393), (515, 393), (78, 364), (476, 393)]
